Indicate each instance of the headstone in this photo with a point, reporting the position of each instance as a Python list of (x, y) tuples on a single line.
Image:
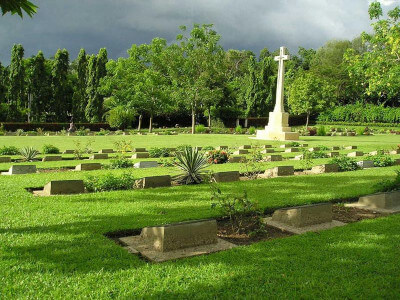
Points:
[(350, 147), (335, 148), (52, 158), (267, 146), (20, 169), (285, 146), (299, 157), (237, 159), (63, 187), (313, 149), (266, 151), (304, 145), (140, 155), (381, 202), (69, 151), (153, 182), (394, 152), (351, 134), (5, 159), (280, 171), (99, 156), (106, 151), (365, 164), (139, 150), (291, 150), (88, 167), (274, 158), (247, 147), (278, 123), (397, 162), (146, 164), (301, 219), (241, 151), (355, 154), (378, 152), (333, 154), (222, 148), (226, 176), (326, 168)]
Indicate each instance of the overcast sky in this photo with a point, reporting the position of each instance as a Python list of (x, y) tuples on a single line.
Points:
[(243, 24)]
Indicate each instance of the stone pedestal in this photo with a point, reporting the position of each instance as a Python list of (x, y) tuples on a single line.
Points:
[(278, 128)]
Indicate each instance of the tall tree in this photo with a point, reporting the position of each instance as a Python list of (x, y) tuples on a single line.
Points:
[(16, 90), (62, 100), (80, 96)]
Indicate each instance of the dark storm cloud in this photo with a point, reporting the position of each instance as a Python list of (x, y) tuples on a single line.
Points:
[(245, 24)]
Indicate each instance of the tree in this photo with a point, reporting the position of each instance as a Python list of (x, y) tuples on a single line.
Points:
[(16, 90), (62, 98), (17, 7), (310, 94), (80, 96)]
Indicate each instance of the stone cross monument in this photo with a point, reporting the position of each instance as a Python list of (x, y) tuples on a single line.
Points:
[(278, 124)]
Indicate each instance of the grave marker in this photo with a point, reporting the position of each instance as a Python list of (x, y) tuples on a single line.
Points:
[(146, 164), (274, 158), (99, 156), (153, 182), (280, 171), (20, 169), (326, 168), (355, 154), (88, 167), (52, 158), (5, 159), (387, 203), (140, 155), (106, 151), (226, 176)]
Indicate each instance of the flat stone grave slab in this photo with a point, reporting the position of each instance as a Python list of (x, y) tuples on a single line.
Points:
[(61, 187), (333, 154), (350, 148), (153, 182), (355, 154), (20, 169), (103, 151), (245, 147), (365, 164), (397, 162), (266, 146), (226, 176), (52, 158), (394, 152), (5, 159), (69, 151), (139, 150), (326, 168), (335, 148), (274, 158), (237, 159), (302, 219), (314, 149), (291, 150), (299, 157), (241, 151), (99, 156), (174, 241), (88, 167), (146, 164), (304, 145), (140, 155), (280, 171), (266, 151), (386, 203), (222, 148)]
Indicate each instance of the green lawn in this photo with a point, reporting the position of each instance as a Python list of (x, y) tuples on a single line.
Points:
[(54, 247)]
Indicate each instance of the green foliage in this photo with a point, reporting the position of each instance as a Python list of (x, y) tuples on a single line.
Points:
[(345, 163), (120, 163), (321, 131), (80, 98), (18, 7), (80, 149), (109, 182), (62, 93), (208, 148), (192, 162), (389, 185), (159, 152), (200, 128), (239, 129), (28, 153), (9, 150), (252, 130), (381, 160), (120, 117), (217, 157), (294, 144), (16, 91), (50, 149)]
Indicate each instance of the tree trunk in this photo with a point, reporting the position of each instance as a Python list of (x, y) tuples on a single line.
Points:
[(246, 122), (140, 122), (151, 124), (193, 121), (308, 119), (209, 118), (237, 122)]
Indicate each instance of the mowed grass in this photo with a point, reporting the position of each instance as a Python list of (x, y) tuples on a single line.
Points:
[(54, 247)]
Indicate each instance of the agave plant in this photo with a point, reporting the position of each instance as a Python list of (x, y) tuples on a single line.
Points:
[(191, 162), (28, 153)]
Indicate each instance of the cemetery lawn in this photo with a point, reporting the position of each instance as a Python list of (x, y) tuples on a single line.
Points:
[(55, 248)]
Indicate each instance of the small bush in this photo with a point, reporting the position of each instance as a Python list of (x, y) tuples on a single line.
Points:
[(192, 163), (312, 131), (360, 130), (109, 182), (159, 152), (252, 130), (381, 160), (19, 132), (120, 163), (50, 149), (321, 131), (239, 129), (10, 150), (389, 185), (28, 153), (200, 128), (217, 157), (345, 163)]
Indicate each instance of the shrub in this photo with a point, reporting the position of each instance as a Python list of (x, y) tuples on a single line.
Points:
[(120, 163), (239, 129), (10, 150), (28, 153), (50, 149), (120, 117), (217, 157), (200, 128), (103, 132), (181, 148), (123, 146), (345, 163), (321, 131), (361, 130), (294, 144), (389, 185), (192, 163), (312, 131), (80, 150), (19, 132), (381, 160), (252, 130), (159, 152), (109, 182)]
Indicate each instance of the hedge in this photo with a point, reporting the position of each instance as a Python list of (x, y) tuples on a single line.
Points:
[(52, 126)]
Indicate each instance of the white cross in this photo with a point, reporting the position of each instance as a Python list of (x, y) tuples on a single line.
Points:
[(281, 76)]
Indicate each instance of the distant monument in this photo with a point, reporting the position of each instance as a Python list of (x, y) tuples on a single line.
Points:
[(278, 124)]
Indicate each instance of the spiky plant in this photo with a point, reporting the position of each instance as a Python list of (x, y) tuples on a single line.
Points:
[(192, 163), (28, 153)]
